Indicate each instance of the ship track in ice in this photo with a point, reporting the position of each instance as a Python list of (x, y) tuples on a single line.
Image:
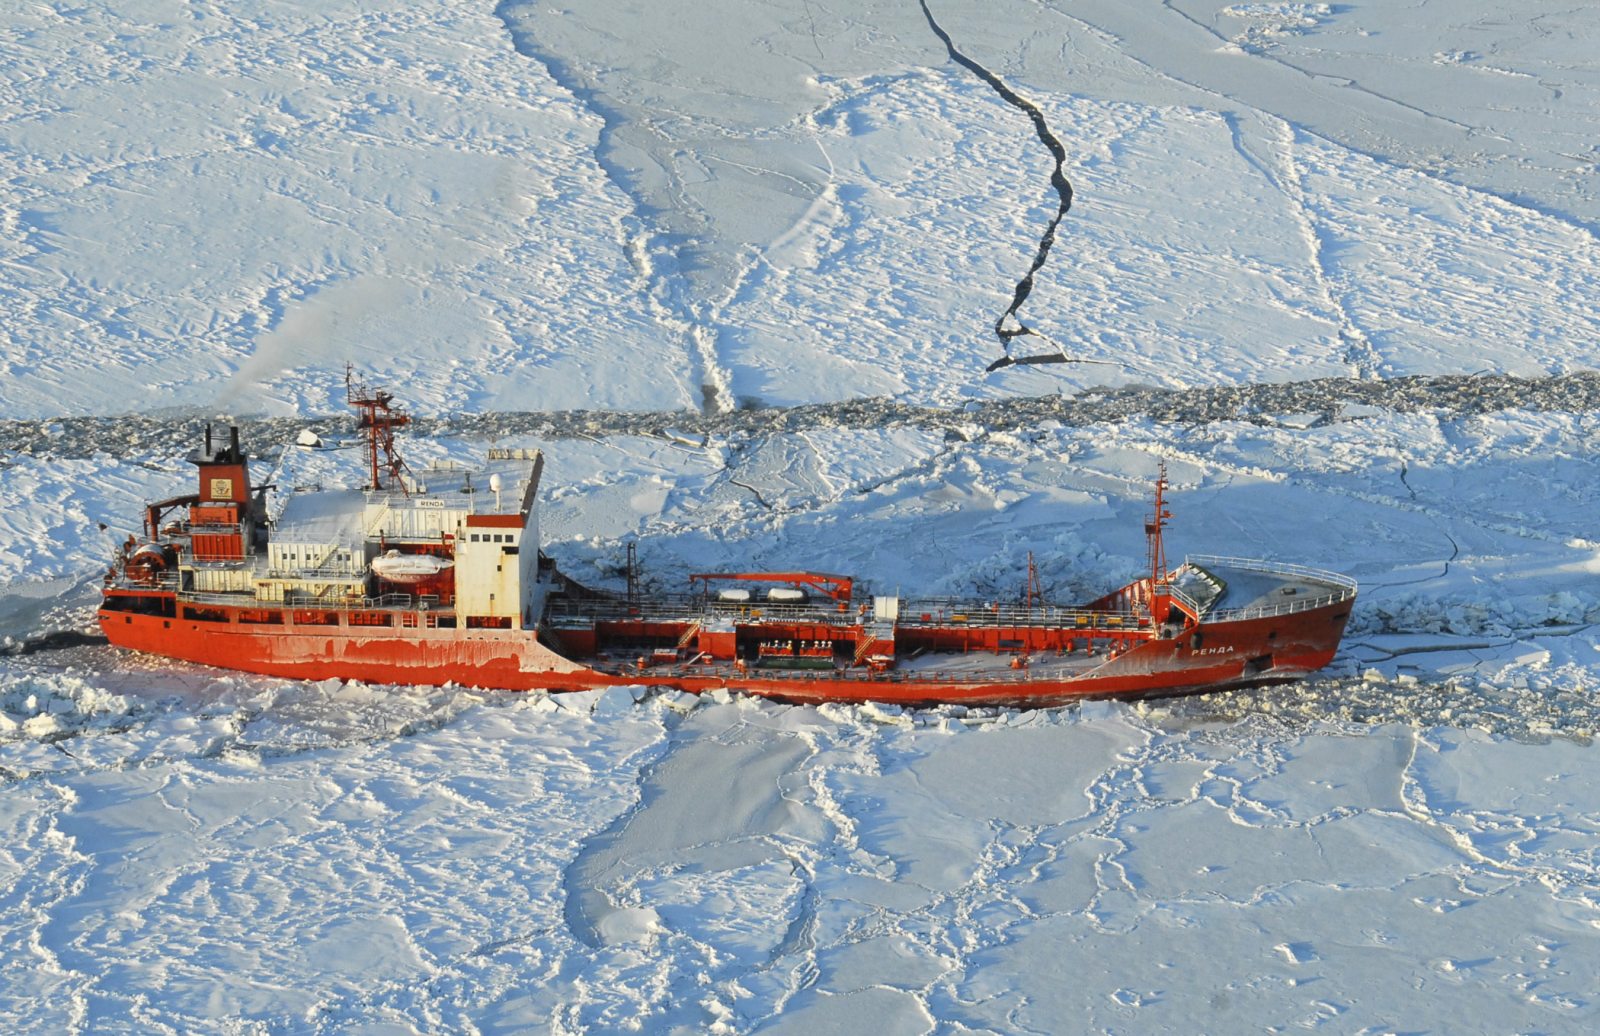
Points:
[(1457, 394)]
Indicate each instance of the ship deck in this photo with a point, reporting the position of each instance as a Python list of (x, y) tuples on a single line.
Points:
[(1235, 588)]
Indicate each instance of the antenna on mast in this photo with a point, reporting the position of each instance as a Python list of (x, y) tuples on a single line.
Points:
[(1152, 529), (1161, 603), (379, 418)]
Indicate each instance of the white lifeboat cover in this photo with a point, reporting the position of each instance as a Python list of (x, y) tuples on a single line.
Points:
[(409, 568)]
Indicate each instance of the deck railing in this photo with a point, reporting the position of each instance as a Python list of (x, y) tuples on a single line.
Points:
[(690, 607), (240, 598), (942, 611), (1039, 616), (1339, 587)]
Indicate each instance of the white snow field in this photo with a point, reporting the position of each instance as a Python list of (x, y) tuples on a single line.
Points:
[(759, 221)]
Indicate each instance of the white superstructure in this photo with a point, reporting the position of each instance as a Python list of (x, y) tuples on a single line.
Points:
[(476, 529)]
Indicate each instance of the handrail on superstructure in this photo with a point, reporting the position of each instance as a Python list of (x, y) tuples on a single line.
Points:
[(1189, 605), (192, 529)]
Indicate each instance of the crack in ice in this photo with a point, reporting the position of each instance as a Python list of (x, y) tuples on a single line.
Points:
[(1058, 181)]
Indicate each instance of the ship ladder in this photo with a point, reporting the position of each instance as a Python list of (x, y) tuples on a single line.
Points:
[(371, 532), (690, 633), (862, 651), (327, 554)]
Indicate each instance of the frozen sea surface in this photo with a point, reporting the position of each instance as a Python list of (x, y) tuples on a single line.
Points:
[(684, 204), (737, 268), (196, 851), (248, 855)]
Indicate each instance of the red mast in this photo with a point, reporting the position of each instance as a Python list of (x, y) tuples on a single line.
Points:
[(379, 418), (1160, 600)]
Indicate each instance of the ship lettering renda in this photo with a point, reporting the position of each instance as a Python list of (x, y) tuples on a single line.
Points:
[(437, 578)]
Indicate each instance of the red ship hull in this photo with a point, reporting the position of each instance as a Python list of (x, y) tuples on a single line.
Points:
[(1212, 656)]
